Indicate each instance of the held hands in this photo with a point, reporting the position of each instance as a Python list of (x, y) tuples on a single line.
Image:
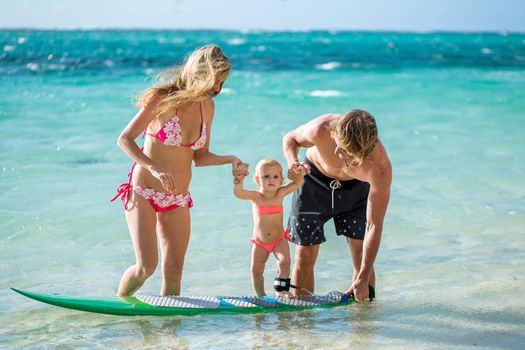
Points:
[(167, 179), (299, 167), (239, 170), (297, 171)]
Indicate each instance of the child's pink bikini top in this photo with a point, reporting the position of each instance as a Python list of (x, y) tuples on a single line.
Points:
[(171, 133), (269, 209)]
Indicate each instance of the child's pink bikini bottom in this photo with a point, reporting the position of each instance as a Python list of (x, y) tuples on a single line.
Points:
[(270, 246)]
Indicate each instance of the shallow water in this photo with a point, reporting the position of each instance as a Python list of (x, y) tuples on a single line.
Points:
[(450, 112)]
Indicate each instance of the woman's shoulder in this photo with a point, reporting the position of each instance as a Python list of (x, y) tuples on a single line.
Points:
[(158, 98), (208, 107), (150, 106), (209, 103)]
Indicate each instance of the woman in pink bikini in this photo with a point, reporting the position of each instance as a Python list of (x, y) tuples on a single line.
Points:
[(176, 117), (269, 235)]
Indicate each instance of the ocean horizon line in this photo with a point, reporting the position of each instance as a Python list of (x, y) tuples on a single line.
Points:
[(262, 30)]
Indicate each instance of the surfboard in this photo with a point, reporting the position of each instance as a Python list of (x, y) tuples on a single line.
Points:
[(156, 305)]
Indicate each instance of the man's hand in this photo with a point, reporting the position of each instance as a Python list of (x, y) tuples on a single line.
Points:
[(298, 178), (359, 289), (297, 171), (300, 168)]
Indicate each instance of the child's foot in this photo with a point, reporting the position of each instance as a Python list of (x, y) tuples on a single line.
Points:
[(284, 294)]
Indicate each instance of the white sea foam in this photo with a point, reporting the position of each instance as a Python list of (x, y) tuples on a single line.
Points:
[(323, 40), (326, 93), (329, 65), (237, 41), (259, 48), (32, 67), (55, 67)]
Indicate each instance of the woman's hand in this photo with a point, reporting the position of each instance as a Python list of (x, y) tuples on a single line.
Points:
[(166, 179), (241, 173), (236, 166), (239, 169)]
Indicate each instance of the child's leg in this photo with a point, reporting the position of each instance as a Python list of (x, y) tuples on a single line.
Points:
[(282, 255), (259, 258)]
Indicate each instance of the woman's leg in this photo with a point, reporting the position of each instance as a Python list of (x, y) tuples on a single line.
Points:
[(174, 235), (141, 220)]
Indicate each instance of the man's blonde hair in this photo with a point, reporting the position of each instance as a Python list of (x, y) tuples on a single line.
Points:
[(356, 133)]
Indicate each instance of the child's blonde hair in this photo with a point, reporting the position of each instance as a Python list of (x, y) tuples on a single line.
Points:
[(356, 132), (193, 81), (264, 163)]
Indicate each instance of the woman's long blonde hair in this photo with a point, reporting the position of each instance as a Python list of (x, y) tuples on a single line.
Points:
[(192, 81)]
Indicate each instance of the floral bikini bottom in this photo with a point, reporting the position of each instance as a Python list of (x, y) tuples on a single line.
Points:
[(161, 201)]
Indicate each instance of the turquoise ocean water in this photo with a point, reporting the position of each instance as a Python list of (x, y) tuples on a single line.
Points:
[(451, 113)]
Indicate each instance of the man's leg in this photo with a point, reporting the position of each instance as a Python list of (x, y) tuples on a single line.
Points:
[(303, 271)]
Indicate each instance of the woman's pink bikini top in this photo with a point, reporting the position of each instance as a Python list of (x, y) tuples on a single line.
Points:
[(269, 209), (171, 133)]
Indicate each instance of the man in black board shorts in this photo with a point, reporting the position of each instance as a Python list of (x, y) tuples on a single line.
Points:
[(349, 178)]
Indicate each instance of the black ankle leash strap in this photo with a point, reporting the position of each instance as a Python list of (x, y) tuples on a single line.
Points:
[(282, 284)]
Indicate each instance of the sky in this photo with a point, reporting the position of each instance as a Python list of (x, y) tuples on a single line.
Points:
[(369, 15)]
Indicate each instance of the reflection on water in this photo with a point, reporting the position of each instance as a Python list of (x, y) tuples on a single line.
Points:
[(395, 323), (161, 333)]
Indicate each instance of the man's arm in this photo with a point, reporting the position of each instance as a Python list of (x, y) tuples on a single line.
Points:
[(378, 198), (303, 136)]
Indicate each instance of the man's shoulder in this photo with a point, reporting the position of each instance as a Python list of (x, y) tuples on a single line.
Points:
[(326, 119), (382, 154), (382, 170), (323, 124)]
